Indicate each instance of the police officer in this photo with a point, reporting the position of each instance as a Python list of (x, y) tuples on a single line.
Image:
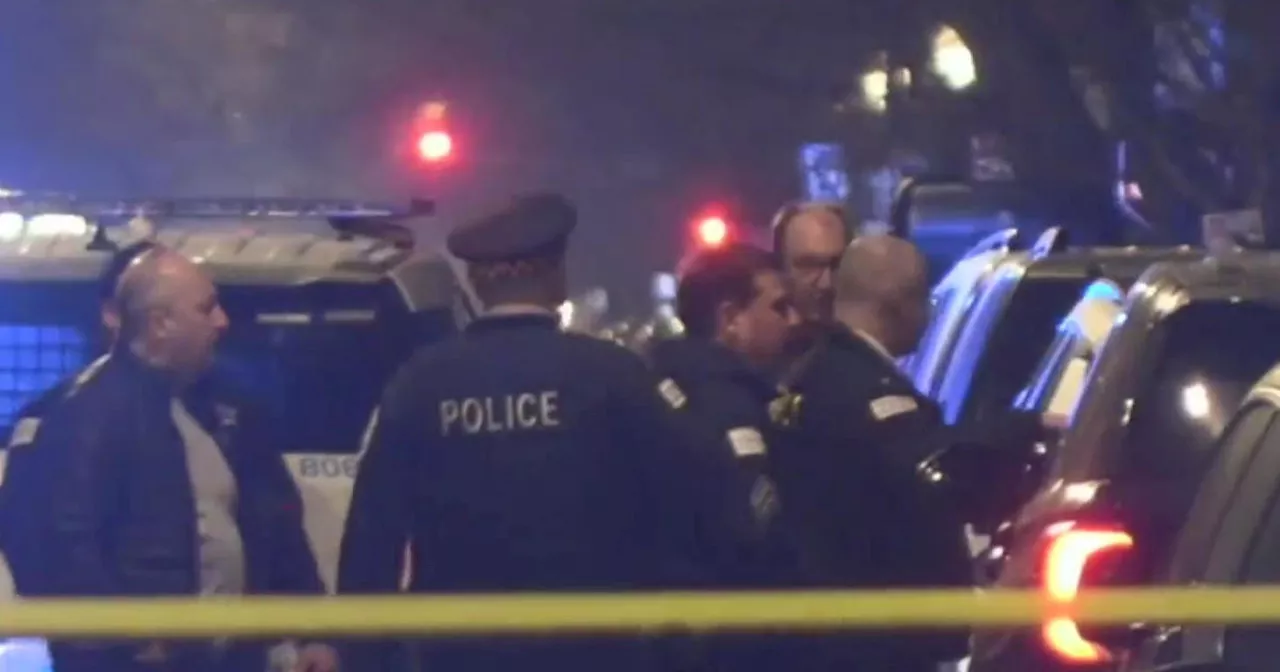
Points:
[(737, 316), (858, 430), (520, 457)]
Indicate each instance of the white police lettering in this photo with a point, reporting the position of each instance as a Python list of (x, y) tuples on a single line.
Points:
[(492, 415), (887, 407)]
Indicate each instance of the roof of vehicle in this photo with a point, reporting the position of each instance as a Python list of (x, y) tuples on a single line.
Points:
[(1248, 273), (245, 242), (1267, 388), (1110, 262)]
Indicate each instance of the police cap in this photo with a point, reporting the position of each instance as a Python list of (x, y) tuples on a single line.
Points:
[(532, 226)]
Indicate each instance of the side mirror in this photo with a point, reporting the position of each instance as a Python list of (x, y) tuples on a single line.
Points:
[(964, 473)]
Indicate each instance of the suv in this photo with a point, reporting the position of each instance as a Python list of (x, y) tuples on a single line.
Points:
[(1193, 338), (1231, 537), (320, 318), (1014, 320)]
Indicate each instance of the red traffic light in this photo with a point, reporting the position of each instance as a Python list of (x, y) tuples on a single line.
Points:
[(713, 231), (435, 146)]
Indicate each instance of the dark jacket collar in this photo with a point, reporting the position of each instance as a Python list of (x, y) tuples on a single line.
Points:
[(842, 337), (705, 358), (145, 377), (506, 321)]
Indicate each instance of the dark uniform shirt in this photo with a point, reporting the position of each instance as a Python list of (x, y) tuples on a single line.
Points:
[(519, 457), (732, 398), (856, 429)]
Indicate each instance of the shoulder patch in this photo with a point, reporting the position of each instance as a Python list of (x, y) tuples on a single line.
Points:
[(672, 393), (24, 432), (895, 404), (785, 409), (746, 441)]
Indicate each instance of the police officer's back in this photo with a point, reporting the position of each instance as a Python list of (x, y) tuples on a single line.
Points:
[(518, 457), (857, 430)]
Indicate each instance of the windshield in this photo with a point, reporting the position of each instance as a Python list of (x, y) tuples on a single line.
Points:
[(315, 359), (47, 332)]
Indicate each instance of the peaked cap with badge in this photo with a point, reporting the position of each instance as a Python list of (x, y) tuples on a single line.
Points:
[(531, 227)]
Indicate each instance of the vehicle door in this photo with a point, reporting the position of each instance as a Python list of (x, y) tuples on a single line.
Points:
[(315, 359), (1231, 537)]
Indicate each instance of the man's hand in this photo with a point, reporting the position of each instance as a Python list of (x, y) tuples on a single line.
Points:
[(316, 658)]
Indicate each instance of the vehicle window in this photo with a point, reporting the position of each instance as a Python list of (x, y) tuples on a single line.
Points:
[(1236, 450), (1045, 376), (319, 378), (1208, 356), (1008, 345), (47, 332)]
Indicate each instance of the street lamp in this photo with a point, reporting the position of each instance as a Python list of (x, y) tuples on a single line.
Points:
[(875, 90), (952, 61)]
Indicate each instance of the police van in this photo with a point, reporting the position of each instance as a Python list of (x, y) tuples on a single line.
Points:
[(325, 299), (1193, 339)]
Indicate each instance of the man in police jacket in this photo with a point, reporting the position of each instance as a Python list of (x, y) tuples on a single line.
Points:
[(522, 458), (738, 317), (857, 431)]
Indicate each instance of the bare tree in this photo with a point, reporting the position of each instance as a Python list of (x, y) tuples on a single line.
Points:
[(1187, 84)]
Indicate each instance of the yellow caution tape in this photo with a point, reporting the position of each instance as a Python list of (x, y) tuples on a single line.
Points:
[(638, 612)]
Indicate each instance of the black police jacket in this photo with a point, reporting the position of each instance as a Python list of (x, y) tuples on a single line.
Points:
[(846, 474), (518, 457), (733, 399), (106, 503)]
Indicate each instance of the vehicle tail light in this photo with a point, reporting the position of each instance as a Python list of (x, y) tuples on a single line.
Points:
[(1071, 549)]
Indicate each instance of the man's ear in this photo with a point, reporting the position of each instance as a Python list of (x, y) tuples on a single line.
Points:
[(726, 313), (110, 316)]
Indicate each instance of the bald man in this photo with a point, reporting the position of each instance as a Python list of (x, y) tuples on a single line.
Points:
[(139, 482), (847, 473)]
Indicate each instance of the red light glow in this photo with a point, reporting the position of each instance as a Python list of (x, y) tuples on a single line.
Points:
[(435, 146), (713, 231), (1068, 555)]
